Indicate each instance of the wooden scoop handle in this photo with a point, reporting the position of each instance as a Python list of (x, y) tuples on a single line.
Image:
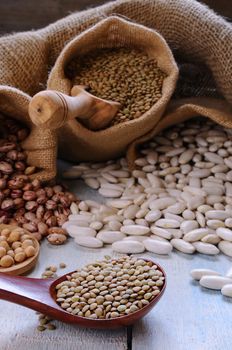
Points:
[(52, 109), (29, 292)]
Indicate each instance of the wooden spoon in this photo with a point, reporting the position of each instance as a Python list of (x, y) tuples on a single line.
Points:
[(52, 108), (40, 295)]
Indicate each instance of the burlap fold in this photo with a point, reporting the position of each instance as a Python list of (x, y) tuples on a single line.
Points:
[(79, 143), (193, 31)]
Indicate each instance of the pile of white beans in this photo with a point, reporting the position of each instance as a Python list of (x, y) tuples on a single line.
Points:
[(179, 196), (213, 280)]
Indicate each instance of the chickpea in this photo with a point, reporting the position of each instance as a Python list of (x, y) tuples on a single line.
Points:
[(25, 237), (5, 245), (5, 232), (14, 237), (6, 261), (27, 243), (30, 251), (20, 257), (16, 245), (18, 250), (11, 253), (2, 252)]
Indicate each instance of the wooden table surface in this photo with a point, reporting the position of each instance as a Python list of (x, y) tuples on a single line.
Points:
[(187, 316)]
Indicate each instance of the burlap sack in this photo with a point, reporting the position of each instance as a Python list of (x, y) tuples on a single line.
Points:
[(181, 110), (194, 33), (80, 143)]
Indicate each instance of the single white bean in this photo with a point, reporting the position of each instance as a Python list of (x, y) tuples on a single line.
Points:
[(182, 246), (188, 225), (200, 219), (110, 193), (228, 222), (136, 230), (160, 232), (88, 241), (161, 203), (153, 215), (198, 273), (211, 238), (188, 214), (110, 236), (214, 282), (176, 208), (130, 211), (214, 224), (93, 183), (96, 225), (128, 247), (167, 223), (119, 203), (227, 290), (217, 214), (225, 247), (196, 235), (115, 225), (206, 248), (158, 247), (173, 217), (224, 233)]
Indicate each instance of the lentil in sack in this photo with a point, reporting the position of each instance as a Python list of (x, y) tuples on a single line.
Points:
[(120, 61)]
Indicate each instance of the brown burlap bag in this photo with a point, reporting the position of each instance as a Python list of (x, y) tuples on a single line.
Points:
[(80, 143), (195, 33)]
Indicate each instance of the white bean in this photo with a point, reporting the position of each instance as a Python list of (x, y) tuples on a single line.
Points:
[(161, 203), (196, 235), (225, 247), (167, 223), (188, 225), (224, 233), (161, 232), (198, 273), (75, 231), (88, 242), (158, 247), (128, 247), (136, 230), (227, 290), (206, 248), (214, 282), (182, 246), (110, 236)]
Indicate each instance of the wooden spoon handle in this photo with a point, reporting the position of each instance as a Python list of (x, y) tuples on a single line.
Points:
[(52, 109), (30, 292)]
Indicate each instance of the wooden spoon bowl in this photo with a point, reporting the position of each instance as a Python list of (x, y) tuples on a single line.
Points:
[(26, 265), (40, 295)]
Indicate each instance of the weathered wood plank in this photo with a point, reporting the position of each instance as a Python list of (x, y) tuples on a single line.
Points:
[(187, 316)]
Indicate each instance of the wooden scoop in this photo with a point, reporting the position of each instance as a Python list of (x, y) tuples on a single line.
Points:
[(52, 109), (40, 295)]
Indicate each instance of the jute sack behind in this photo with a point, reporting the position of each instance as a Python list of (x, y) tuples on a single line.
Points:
[(80, 143), (23, 66), (193, 31), (181, 110)]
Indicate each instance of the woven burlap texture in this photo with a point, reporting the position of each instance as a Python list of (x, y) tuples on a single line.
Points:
[(196, 32), (79, 143)]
